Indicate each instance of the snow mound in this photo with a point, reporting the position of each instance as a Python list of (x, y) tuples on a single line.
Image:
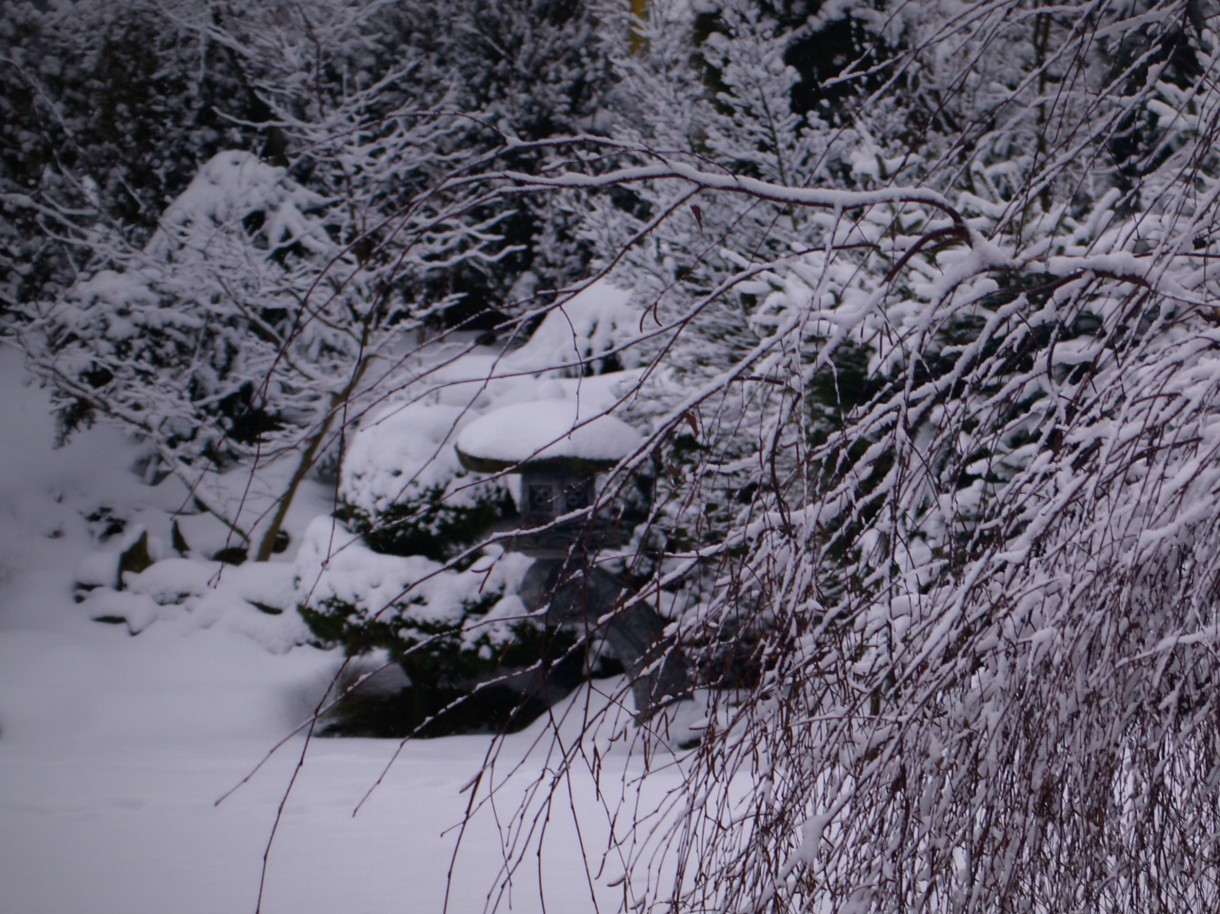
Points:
[(254, 600)]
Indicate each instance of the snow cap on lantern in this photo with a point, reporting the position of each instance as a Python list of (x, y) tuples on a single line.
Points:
[(556, 449)]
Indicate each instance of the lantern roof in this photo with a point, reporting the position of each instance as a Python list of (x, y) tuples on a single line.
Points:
[(546, 435)]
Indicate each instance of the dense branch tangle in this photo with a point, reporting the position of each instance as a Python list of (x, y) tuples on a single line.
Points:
[(976, 568)]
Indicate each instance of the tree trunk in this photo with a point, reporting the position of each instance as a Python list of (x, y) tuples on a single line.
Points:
[(266, 546)]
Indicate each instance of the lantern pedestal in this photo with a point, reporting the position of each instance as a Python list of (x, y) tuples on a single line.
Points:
[(592, 598)]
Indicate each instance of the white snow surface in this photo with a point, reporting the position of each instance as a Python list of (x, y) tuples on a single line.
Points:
[(114, 747)]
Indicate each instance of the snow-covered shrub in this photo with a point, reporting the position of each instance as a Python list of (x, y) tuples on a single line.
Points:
[(239, 331), (463, 638), (403, 489), (593, 332), (178, 304), (180, 340)]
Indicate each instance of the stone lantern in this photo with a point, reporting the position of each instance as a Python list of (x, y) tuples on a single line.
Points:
[(558, 454)]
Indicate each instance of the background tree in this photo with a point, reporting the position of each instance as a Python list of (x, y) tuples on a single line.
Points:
[(115, 105)]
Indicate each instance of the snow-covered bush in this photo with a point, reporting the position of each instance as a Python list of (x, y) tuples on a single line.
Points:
[(239, 331), (594, 332), (199, 341), (403, 489), (474, 658)]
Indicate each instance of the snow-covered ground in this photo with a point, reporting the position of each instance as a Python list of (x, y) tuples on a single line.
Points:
[(114, 747)]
